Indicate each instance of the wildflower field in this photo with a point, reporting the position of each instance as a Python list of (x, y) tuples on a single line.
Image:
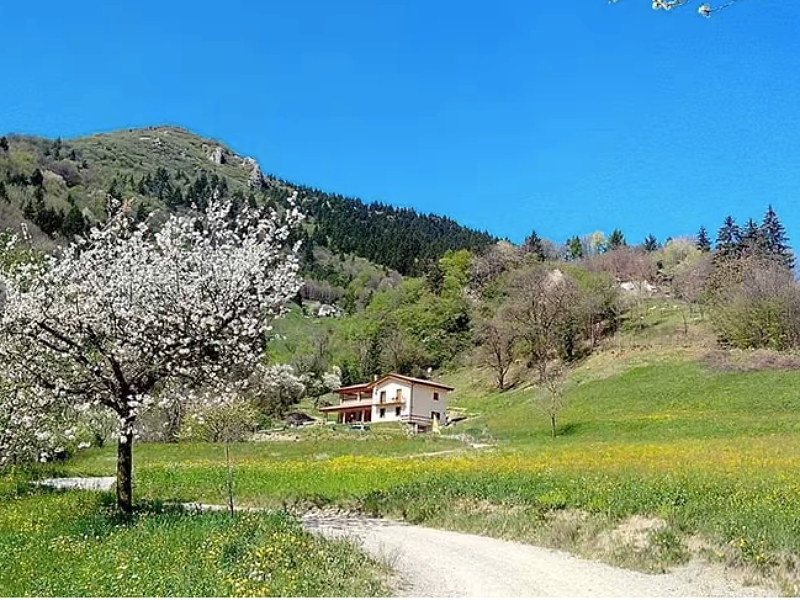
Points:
[(713, 454), (77, 544)]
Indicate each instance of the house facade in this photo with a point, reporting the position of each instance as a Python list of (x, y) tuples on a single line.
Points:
[(418, 402)]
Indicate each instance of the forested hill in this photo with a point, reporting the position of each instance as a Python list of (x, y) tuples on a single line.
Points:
[(400, 238), (60, 188)]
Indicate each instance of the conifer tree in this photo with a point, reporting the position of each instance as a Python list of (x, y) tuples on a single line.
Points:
[(774, 238), (729, 238), (616, 240), (533, 245), (650, 243), (703, 243)]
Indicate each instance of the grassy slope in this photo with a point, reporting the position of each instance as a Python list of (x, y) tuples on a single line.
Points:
[(650, 429)]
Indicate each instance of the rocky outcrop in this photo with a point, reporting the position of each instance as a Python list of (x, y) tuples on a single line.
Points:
[(217, 156), (256, 179)]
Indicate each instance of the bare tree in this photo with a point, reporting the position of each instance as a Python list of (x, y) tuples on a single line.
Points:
[(497, 340), (551, 396), (541, 306)]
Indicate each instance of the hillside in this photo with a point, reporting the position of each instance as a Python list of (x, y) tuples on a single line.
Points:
[(60, 187)]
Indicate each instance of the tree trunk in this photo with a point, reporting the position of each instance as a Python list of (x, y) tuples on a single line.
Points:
[(125, 474), (553, 423)]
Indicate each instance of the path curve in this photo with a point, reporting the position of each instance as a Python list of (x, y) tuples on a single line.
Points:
[(436, 563)]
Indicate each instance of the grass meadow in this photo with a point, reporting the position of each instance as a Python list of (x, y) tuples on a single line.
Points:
[(708, 450)]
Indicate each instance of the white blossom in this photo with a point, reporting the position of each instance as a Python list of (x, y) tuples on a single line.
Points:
[(108, 319)]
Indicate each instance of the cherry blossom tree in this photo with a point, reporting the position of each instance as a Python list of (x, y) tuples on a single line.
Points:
[(704, 9), (108, 320)]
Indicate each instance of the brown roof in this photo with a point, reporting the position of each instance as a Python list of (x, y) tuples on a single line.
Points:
[(359, 387), (415, 380), (368, 387)]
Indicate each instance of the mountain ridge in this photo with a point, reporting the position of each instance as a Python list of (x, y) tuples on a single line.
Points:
[(61, 186)]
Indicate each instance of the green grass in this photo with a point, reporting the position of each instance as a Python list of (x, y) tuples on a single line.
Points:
[(76, 544), (712, 453), (649, 430)]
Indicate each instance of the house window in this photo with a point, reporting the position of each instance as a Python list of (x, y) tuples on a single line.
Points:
[(435, 395), (436, 415), (383, 412), (399, 394), (397, 411), (383, 396)]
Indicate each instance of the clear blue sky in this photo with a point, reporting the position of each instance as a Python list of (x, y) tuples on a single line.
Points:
[(560, 116)]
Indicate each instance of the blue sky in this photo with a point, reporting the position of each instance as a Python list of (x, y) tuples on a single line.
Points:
[(563, 117)]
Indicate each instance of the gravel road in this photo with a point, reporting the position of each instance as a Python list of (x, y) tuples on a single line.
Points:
[(434, 563)]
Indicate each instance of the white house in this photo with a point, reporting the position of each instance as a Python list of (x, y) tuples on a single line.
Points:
[(393, 398)]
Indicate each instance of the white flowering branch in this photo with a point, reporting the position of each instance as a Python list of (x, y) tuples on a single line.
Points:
[(111, 317), (705, 9)]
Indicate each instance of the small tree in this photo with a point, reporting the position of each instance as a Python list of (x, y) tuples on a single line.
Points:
[(650, 243), (729, 239), (702, 242), (551, 396), (616, 240), (496, 339), (275, 389), (773, 236), (109, 319)]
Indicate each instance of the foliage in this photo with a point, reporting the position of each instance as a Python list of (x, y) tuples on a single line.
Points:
[(275, 389), (756, 304), (112, 317)]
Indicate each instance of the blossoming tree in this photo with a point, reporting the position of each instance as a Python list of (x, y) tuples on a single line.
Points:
[(109, 320)]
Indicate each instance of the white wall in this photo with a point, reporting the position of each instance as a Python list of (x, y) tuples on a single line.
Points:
[(423, 403), (391, 388)]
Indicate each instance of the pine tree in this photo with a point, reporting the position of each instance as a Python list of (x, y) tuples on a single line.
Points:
[(74, 223), (752, 240), (650, 243), (575, 248), (774, 238), (4, 144), (729, 238), (616, 240), (703, 243), (533, 245)]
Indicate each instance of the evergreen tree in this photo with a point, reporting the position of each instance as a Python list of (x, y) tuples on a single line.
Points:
[(4, 144), (74, 223), (774, 238), (650, 243), (729, 238), (703, 243), (752, 240), (616, 240), (575, 248), (533, 245), (37, 179)]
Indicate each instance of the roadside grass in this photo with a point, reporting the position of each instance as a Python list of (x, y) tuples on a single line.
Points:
[(76, 544)]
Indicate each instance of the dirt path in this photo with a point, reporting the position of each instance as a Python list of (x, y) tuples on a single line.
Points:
[(429, 562), (434, 563)]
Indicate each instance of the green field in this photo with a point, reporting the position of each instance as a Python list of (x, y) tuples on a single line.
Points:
[(709, 450)]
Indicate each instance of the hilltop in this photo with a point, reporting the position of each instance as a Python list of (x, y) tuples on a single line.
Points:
[(60, 187)]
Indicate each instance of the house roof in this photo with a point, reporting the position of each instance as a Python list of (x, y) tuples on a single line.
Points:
[(415, 380), (359, 387)]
